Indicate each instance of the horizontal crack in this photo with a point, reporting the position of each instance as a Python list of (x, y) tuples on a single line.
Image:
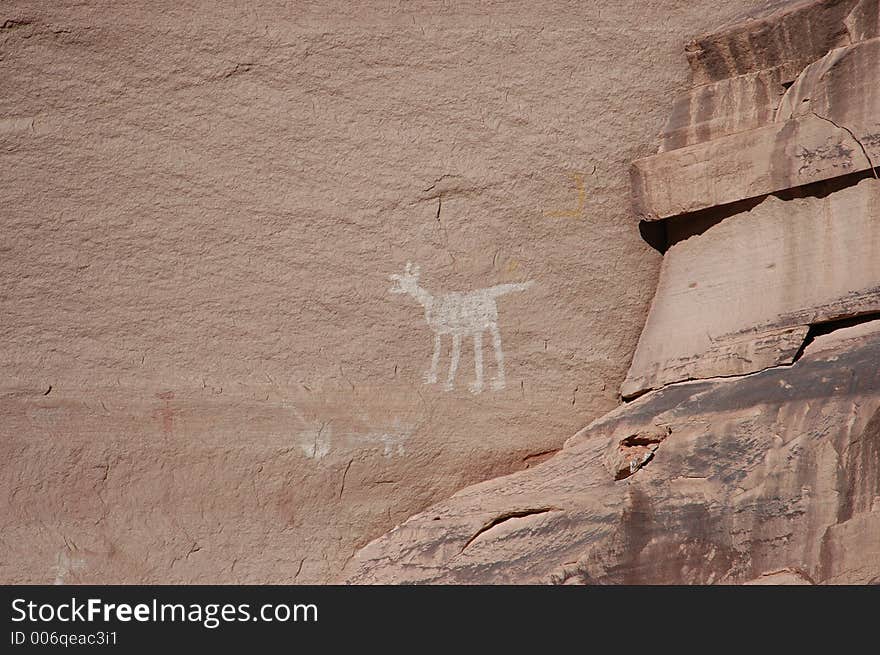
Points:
[(819, 328), (537, 458), (506, 516)]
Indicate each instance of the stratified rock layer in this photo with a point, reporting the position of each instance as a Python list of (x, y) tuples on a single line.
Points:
[(725, 142), (738, 295), (747, 274)]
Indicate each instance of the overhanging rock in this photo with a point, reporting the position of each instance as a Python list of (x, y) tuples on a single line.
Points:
[(740, 296)]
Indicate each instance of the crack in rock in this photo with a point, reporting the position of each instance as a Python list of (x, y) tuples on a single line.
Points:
[(854, 138), (506, 516)]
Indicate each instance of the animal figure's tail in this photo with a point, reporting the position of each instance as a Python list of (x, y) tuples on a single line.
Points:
[(501, 289)]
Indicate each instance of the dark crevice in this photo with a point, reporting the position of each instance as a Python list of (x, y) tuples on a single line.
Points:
[(635, 451), (644, 439), (654, 234), (663, 234), (827, 327), (506, 516), (537, 458), (344, 474), (684, 226), (817, 329), (641, 392), (825, 188)]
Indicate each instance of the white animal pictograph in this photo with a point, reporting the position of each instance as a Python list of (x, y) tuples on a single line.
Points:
[(459, 315)]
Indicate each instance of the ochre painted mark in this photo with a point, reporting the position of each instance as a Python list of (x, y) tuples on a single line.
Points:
[(582, 197)]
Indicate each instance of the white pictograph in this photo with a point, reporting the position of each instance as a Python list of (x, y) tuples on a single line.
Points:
[(459, 315)]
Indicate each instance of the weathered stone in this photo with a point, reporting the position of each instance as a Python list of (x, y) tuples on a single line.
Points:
[(738, 296), (783, 577), (223, 362), (841, 88), (778, 34), (631, 453), (205, 377), (748, 165), (864, 20), (769, 472), (722, 108), (827, 125), (761, 474), (655, 365)]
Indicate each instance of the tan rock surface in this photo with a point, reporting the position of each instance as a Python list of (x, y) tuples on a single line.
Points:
[(747, 275), (721, 144), (752, 164), (205, 377), (765, 473), (738, 295), (726, 107)]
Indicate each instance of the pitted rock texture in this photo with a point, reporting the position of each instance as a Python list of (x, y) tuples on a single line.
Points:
[(204, 375)]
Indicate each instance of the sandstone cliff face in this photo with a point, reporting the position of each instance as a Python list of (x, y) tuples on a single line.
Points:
[(205, 374), (749, 449), (770, 472)]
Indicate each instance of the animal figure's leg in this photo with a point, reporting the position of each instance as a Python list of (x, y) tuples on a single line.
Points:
[(453, 364), (431, 376), (477, 385), (498, 380)]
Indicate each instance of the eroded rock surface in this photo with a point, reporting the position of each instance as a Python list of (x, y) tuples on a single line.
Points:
[(773, 124), (738, 295), (768, 183), (771, 471), (205, 374), (750, 453)]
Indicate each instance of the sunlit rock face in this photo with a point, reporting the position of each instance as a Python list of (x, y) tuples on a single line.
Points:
[(747, 446), (208, 371)]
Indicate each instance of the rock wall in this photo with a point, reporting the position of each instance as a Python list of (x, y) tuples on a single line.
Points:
[(748, 450), (765, 473), (206, 375), (745, 278)]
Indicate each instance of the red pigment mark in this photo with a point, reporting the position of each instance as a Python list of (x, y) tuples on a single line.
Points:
[(166, 414)]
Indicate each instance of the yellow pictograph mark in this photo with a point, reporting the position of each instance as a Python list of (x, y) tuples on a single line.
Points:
[(582, 196)]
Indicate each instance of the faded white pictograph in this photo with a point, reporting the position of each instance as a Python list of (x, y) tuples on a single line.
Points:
[(318, 438), (65, 564), (465, 314), (315, 442)]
